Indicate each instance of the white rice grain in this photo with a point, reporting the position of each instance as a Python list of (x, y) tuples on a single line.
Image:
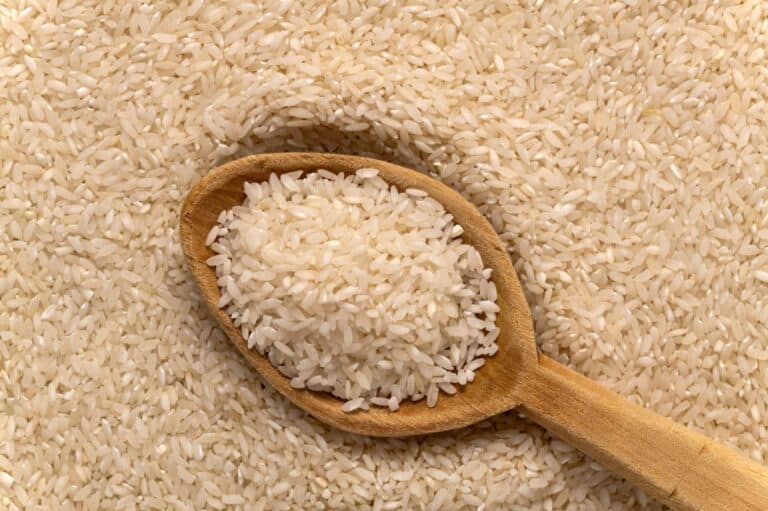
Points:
[(629, 102), (371, 341)]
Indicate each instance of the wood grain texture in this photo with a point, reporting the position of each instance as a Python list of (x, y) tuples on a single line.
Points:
[(681, 468)]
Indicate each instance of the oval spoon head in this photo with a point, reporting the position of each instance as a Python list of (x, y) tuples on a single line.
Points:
[(495, 386)]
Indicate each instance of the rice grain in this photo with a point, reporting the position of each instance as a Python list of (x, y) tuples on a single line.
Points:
[(630, 95)]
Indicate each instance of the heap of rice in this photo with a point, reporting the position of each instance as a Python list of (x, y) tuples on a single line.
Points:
[(618, 148), (352, 287)]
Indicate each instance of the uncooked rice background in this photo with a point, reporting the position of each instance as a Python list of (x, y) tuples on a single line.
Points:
[(620, 150)]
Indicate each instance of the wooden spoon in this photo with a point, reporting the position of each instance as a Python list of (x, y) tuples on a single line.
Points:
[(682, 469)]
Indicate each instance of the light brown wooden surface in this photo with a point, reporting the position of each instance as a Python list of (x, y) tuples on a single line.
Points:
[(681, 468)]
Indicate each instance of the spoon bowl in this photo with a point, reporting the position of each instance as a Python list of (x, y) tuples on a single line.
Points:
[(683, 469), (490, 393)]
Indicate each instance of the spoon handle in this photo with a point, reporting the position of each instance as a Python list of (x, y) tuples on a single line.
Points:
[(682, 469)]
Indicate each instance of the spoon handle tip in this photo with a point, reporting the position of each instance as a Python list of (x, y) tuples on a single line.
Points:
[(681, 468)]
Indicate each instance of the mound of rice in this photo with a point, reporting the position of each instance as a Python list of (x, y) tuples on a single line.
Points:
[(618, 148), (352, 287)]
